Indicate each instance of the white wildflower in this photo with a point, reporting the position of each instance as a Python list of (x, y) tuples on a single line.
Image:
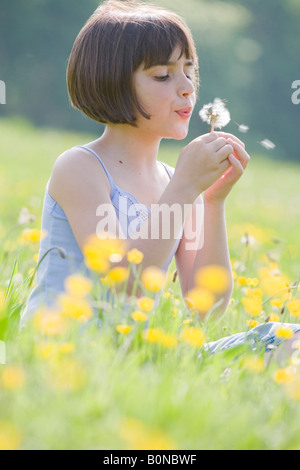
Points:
[(25, 217), (215, 114), (248, 240)]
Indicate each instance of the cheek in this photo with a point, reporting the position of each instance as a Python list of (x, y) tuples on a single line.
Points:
[(154, 98)]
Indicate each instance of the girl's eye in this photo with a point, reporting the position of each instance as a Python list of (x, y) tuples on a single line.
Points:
[(162, 78)]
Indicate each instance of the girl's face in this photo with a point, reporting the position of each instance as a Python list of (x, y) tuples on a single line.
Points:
[(166, 92)]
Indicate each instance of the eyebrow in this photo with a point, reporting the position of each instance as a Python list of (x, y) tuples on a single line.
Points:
[(188, 63)]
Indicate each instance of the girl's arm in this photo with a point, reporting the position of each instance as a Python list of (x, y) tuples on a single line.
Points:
[(213, 247), (79, 184), (212, 251)]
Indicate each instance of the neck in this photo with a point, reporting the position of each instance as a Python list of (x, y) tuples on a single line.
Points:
[(135, 149)]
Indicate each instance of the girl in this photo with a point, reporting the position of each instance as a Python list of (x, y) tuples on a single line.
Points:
[(134, 67)]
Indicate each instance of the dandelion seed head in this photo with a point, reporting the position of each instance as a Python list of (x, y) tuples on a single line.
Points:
[(215, 114)]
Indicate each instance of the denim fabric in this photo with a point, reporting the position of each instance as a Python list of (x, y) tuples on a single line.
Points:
[(260, 336)]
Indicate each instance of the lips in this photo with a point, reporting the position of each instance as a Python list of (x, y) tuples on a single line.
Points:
[(185, 112)]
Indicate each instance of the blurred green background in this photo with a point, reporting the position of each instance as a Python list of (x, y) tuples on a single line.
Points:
[(248, 53)]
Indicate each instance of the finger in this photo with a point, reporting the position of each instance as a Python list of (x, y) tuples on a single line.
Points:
[(231, 136), (237, 165), (240, 152), (210, 137), (224, 165), (224, 152), (219, 143)]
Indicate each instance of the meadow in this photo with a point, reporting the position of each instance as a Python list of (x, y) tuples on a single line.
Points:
[(140, 378)]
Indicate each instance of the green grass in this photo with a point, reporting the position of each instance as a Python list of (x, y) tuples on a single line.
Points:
[(99, 389)]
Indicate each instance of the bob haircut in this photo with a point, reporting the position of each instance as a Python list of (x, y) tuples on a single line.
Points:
[(115, 41)]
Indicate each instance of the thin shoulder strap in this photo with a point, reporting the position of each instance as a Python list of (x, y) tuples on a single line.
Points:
[(107, 172), (167, 169), (98, 158)]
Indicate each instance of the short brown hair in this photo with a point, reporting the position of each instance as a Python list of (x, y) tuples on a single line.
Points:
[(114, 42)]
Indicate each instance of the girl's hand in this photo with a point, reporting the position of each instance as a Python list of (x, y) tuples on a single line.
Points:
[(238, 160), (202, 162)]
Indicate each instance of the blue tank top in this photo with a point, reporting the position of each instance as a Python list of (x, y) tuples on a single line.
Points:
[(54, 268)]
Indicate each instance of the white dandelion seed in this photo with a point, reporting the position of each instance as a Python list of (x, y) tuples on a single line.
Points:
[(267, 144), (215, 114), (243, 128)]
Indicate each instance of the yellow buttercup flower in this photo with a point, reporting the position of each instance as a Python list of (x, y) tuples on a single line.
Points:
[(293, 387), (193, 336), (66, 348), (118, 274), (168, 294), (139, 316), (49, 349), (49, 322), (10, 437), (254, 293), (78, 285), (138, 436), (153, 335), (252, 306), (252, 323), (153, 278), (271, 280), (32, 235), (145, 303), (284, 332), (283, 376), (13, 377), (242, 280), (276, 303), (75, 308), (200, 299), (46, 349), (107, 282), (252, 281), (96, 261), (156, 335), (274, 317), (124, 329), (294, 307), (213, 278), (100, 251), (2, 302), (254, 364), (135, 256)]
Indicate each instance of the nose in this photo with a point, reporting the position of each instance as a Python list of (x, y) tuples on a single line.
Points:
[(185, 86)]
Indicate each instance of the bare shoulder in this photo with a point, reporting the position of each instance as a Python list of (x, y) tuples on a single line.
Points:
[(76, 171)]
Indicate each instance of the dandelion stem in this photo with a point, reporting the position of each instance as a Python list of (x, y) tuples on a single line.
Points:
[(61, 253), (212, 128), (285, 289)]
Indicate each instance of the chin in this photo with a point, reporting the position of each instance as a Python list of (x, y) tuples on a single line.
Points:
[(180, 134)]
